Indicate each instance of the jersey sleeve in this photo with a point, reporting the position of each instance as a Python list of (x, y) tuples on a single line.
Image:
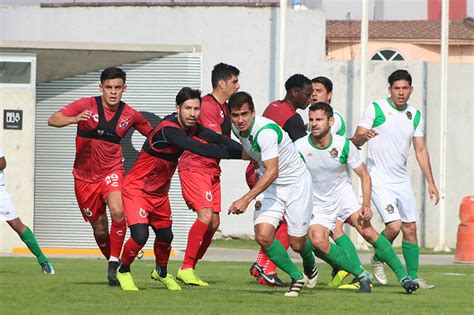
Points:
[(337, 124), (268, 142), (295, 128), (354, 159), (368, 117), (210, 117), (420, 126), (76, 107), (141, 124)]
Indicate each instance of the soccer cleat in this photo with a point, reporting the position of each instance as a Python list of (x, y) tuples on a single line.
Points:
[(365, 282), (112, 273), (379, 272), (312, 275), (140, 254), (126, 281), (255, 270), (271, 280), (338, 277), (422, 284), (47, 268), (168, 281), (189, 277), (409, 285), (296, 286), (354, 285)]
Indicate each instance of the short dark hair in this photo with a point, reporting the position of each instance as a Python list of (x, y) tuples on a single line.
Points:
[(237, 100), (187, 93), (324, 81), (398, 75), (322, 106), (112, 73), (222, 71), (296, 81)]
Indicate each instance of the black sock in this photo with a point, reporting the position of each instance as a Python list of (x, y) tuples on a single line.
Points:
[(124, 269), (162, 270)]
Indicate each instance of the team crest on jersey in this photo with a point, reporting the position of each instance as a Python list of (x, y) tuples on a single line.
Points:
[(87, 212), (251, 138), (334, 153), (95, 117), (408, 115), (142, 213), (258, 205), (123, 124), (390, 209), (208, 196), (100, 132)]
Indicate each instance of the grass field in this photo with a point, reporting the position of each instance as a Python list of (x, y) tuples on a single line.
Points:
[(79, 286)]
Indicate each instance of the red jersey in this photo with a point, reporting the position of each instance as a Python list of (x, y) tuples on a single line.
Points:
[(279, 112), (98, 149), (215, 117)]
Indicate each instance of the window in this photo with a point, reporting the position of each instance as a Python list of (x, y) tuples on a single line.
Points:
[(387, 55), (15, 72)]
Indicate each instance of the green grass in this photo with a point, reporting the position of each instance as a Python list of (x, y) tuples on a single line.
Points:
[(80, 287)]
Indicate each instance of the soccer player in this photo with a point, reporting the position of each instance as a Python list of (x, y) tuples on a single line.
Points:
[(284, 188), (391, 124), (200, 175), (102, 122), (327, 158), (283, 112), (145, 189), (8, 214)]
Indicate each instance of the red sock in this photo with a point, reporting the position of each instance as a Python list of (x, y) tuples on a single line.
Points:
[(130, 251), (206, 241), (104, 245), (261, 258), (162, 252), (117, 236), (195, 238)]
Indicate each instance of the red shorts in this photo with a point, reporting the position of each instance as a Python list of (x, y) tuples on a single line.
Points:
[(200, 190), (91, 196), (152, 210)]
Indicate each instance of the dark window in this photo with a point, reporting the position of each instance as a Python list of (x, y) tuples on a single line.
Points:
[(15, 72)]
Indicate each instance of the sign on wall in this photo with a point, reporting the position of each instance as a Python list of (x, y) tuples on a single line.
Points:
[(12, 119)]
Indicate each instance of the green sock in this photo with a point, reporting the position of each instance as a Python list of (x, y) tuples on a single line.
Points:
[(307, 256), (346, 244), (29, 239), (384, 250), (411, 254), (340, 258), (377, 258), (323, 257), (279, 256)]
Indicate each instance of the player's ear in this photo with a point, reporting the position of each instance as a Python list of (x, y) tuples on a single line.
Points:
[(124, 88), (101, 88), (331, 121)]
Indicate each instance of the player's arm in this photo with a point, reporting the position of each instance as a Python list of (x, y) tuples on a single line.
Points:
[(3, 163), (295, 127), (361, 136), (271, 173), (59, 120), (141, 124), (179, 138), (216, 138), (366, 185), (423, 158)]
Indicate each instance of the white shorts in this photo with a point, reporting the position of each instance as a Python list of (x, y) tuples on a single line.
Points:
[(294, 201), (7, 211), (342, 209), (394, 201)]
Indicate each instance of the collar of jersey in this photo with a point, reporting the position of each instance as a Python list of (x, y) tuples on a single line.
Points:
[(316, 147), (250, 132), (395, 107)]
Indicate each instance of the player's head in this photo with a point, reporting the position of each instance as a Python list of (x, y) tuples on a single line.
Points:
[(322, 90), (320, 119), (298, 90), (225, 79), (188, 106), (400, 87), (112, 85), (242, 111)]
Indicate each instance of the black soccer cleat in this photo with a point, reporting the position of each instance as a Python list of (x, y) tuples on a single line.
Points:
[(409, 285), (271, 280), (365, 281), (255, 270), (112, 273)]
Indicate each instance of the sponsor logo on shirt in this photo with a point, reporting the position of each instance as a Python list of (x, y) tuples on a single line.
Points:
[(334, 153), (100, 132), (408, 115), (208, 196), (390, 209)]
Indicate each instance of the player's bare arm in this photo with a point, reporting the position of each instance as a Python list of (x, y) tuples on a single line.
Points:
[(423, 158), (59, 120), (365, 211), (271, 173), (3, 163), (362, 135)]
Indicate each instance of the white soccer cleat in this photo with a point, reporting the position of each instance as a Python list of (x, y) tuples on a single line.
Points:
[(296, 286), (423, 284), (379, 272), (312, 276)]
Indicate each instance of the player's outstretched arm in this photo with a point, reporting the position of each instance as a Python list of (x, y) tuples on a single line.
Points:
[(423, 158), (361, 136), (216, 138), (366, 185), (59, 120), (179, 138)]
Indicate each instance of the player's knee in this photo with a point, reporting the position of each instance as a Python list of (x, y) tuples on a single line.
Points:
[(215, 224), (320, 243), (205, 215), (297, 244), (139, 233), (263, 240), (393, 229), (164, 235)]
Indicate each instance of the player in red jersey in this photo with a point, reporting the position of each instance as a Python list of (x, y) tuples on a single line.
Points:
[(102, 122), (283, 112), (200, 176), (145, 190)]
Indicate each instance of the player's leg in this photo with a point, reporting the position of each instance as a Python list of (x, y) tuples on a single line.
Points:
[(341, 239), (100, 229)]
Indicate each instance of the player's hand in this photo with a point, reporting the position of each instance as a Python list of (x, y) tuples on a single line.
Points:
[(372, 133), (433, 192), (85, 115), (239, 206), (365, 213)]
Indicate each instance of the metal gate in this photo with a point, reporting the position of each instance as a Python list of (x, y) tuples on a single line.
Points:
[(152, 87)]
